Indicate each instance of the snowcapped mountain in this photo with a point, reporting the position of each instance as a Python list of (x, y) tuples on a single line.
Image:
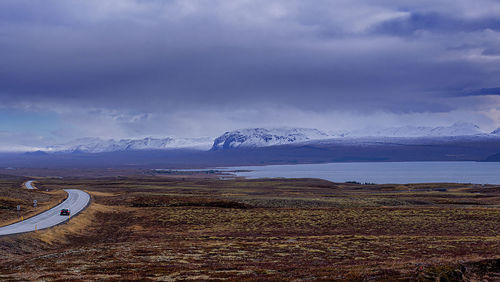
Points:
[(97, 145), (262, 137), (265, 137), (496, 132), (456, 129)]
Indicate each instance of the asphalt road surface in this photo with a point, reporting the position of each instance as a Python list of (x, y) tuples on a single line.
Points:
[(77, 200), (28, 184)]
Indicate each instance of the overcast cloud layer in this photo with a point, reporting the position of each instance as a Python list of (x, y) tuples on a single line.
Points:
[(130, 68)]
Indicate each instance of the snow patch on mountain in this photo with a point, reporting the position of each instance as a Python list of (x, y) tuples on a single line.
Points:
[(496, 132), (456, 129), (262, 137), (97, 145)]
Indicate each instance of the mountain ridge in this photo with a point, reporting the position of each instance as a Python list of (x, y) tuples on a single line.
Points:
[(97, 145), (262, 137), (265, 137)]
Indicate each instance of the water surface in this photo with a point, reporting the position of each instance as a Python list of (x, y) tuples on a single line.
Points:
[(383, 172)]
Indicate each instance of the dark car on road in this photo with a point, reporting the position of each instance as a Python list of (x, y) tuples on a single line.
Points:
[(65, 212)]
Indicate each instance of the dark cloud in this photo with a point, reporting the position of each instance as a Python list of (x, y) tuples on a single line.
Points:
[(491, 51), (435, 22), (155, 56), (484, 91)]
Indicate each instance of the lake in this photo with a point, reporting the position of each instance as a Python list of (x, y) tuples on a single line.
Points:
[(383, 172)]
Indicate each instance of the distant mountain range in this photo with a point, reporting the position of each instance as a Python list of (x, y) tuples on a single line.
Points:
[(264, 137), (261, 146), (456, 129), (96, 145), (261, 137)]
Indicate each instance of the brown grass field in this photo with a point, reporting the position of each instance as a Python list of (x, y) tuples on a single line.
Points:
[(14, 193), (160, 228)]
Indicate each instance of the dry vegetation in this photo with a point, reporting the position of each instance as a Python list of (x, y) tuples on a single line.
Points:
[(156, 228), (13, 193)]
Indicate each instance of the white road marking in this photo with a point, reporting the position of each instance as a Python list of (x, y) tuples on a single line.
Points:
[(28, 184), (77, 200)]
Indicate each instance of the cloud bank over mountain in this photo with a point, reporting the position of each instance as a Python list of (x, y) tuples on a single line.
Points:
[(129, 68)]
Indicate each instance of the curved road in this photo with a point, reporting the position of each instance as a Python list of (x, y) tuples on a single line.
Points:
[(77, 200), (28, 184)]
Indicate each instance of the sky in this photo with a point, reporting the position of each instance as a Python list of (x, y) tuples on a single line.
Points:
[(189, 68)]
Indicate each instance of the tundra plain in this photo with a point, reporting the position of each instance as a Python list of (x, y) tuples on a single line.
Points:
[(161, 228)]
